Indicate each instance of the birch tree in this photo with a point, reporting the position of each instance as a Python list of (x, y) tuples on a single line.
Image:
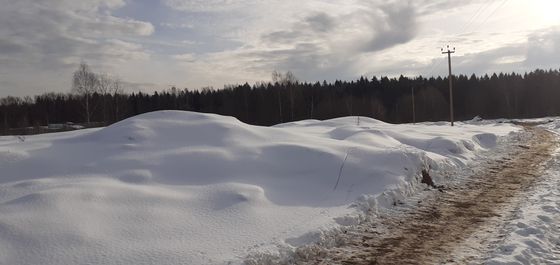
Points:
[(85, 83)]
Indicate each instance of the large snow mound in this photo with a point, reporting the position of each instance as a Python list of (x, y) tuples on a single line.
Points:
[(173, 187)]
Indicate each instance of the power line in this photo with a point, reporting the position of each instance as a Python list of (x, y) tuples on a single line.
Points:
[(489, 15), (494, 12), (473, 18), (479, 13)]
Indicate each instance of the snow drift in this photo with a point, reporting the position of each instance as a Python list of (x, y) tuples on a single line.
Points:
[(173, 187)]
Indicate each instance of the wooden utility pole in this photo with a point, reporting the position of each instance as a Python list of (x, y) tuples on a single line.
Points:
[(413, 109), (449, 52)]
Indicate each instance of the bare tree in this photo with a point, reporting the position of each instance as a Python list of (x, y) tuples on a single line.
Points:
[(104, 82), (284, 79), (276, 79), (287, 80), (291, 80), (85, 83), (174, 94), (116, 89)]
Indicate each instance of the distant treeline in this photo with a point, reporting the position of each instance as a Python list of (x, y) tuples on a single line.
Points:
[(533, 94)]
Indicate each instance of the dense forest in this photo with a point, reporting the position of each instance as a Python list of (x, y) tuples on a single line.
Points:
[(533, 94)]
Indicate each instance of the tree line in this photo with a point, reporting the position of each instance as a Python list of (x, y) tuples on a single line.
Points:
[(100, 98)]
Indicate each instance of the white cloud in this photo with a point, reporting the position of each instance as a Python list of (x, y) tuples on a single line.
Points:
[(319, 41), (41, 25), (543, 48), (189, 42), (208, 5), (177, 25), (58, 34), (185, 57), (216, 42)]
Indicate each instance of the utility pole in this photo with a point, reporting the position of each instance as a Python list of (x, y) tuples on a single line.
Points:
[(413, 109), (449, 52)]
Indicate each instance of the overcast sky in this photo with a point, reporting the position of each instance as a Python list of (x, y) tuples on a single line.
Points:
[(196, 43)]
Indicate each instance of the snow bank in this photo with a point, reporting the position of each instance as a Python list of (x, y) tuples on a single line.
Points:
[(174, 187)]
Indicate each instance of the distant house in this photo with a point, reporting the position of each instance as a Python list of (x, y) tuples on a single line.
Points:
[(64, 126), (71, 125), (55, 126)]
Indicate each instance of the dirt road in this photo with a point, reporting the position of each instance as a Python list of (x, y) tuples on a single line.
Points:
[(441, 224)]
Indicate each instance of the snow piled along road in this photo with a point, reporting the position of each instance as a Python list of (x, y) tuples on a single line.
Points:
[(174, 187)]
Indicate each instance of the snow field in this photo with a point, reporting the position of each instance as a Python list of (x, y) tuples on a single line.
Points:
[(173, 187)]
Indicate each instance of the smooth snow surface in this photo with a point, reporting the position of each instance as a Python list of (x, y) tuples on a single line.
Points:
[(174, 187)]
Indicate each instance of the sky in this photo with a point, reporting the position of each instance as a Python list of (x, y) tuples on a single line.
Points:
[(154, 45)]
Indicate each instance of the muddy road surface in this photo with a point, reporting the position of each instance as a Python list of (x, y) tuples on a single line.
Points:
[(440, 225)]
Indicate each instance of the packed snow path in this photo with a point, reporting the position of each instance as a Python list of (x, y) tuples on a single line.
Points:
[(440, 230)]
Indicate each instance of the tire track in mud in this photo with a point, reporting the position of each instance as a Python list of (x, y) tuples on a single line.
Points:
[(429, 233)]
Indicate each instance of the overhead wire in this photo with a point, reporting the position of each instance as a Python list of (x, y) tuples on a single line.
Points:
[(479, 13), (481, 10), (473, 18), (494, 11), (437, 63)]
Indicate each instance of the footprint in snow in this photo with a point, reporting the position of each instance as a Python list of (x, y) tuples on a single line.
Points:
[(549, 209), (527, 231), (545, 218), (534, 245), (507, 249)]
